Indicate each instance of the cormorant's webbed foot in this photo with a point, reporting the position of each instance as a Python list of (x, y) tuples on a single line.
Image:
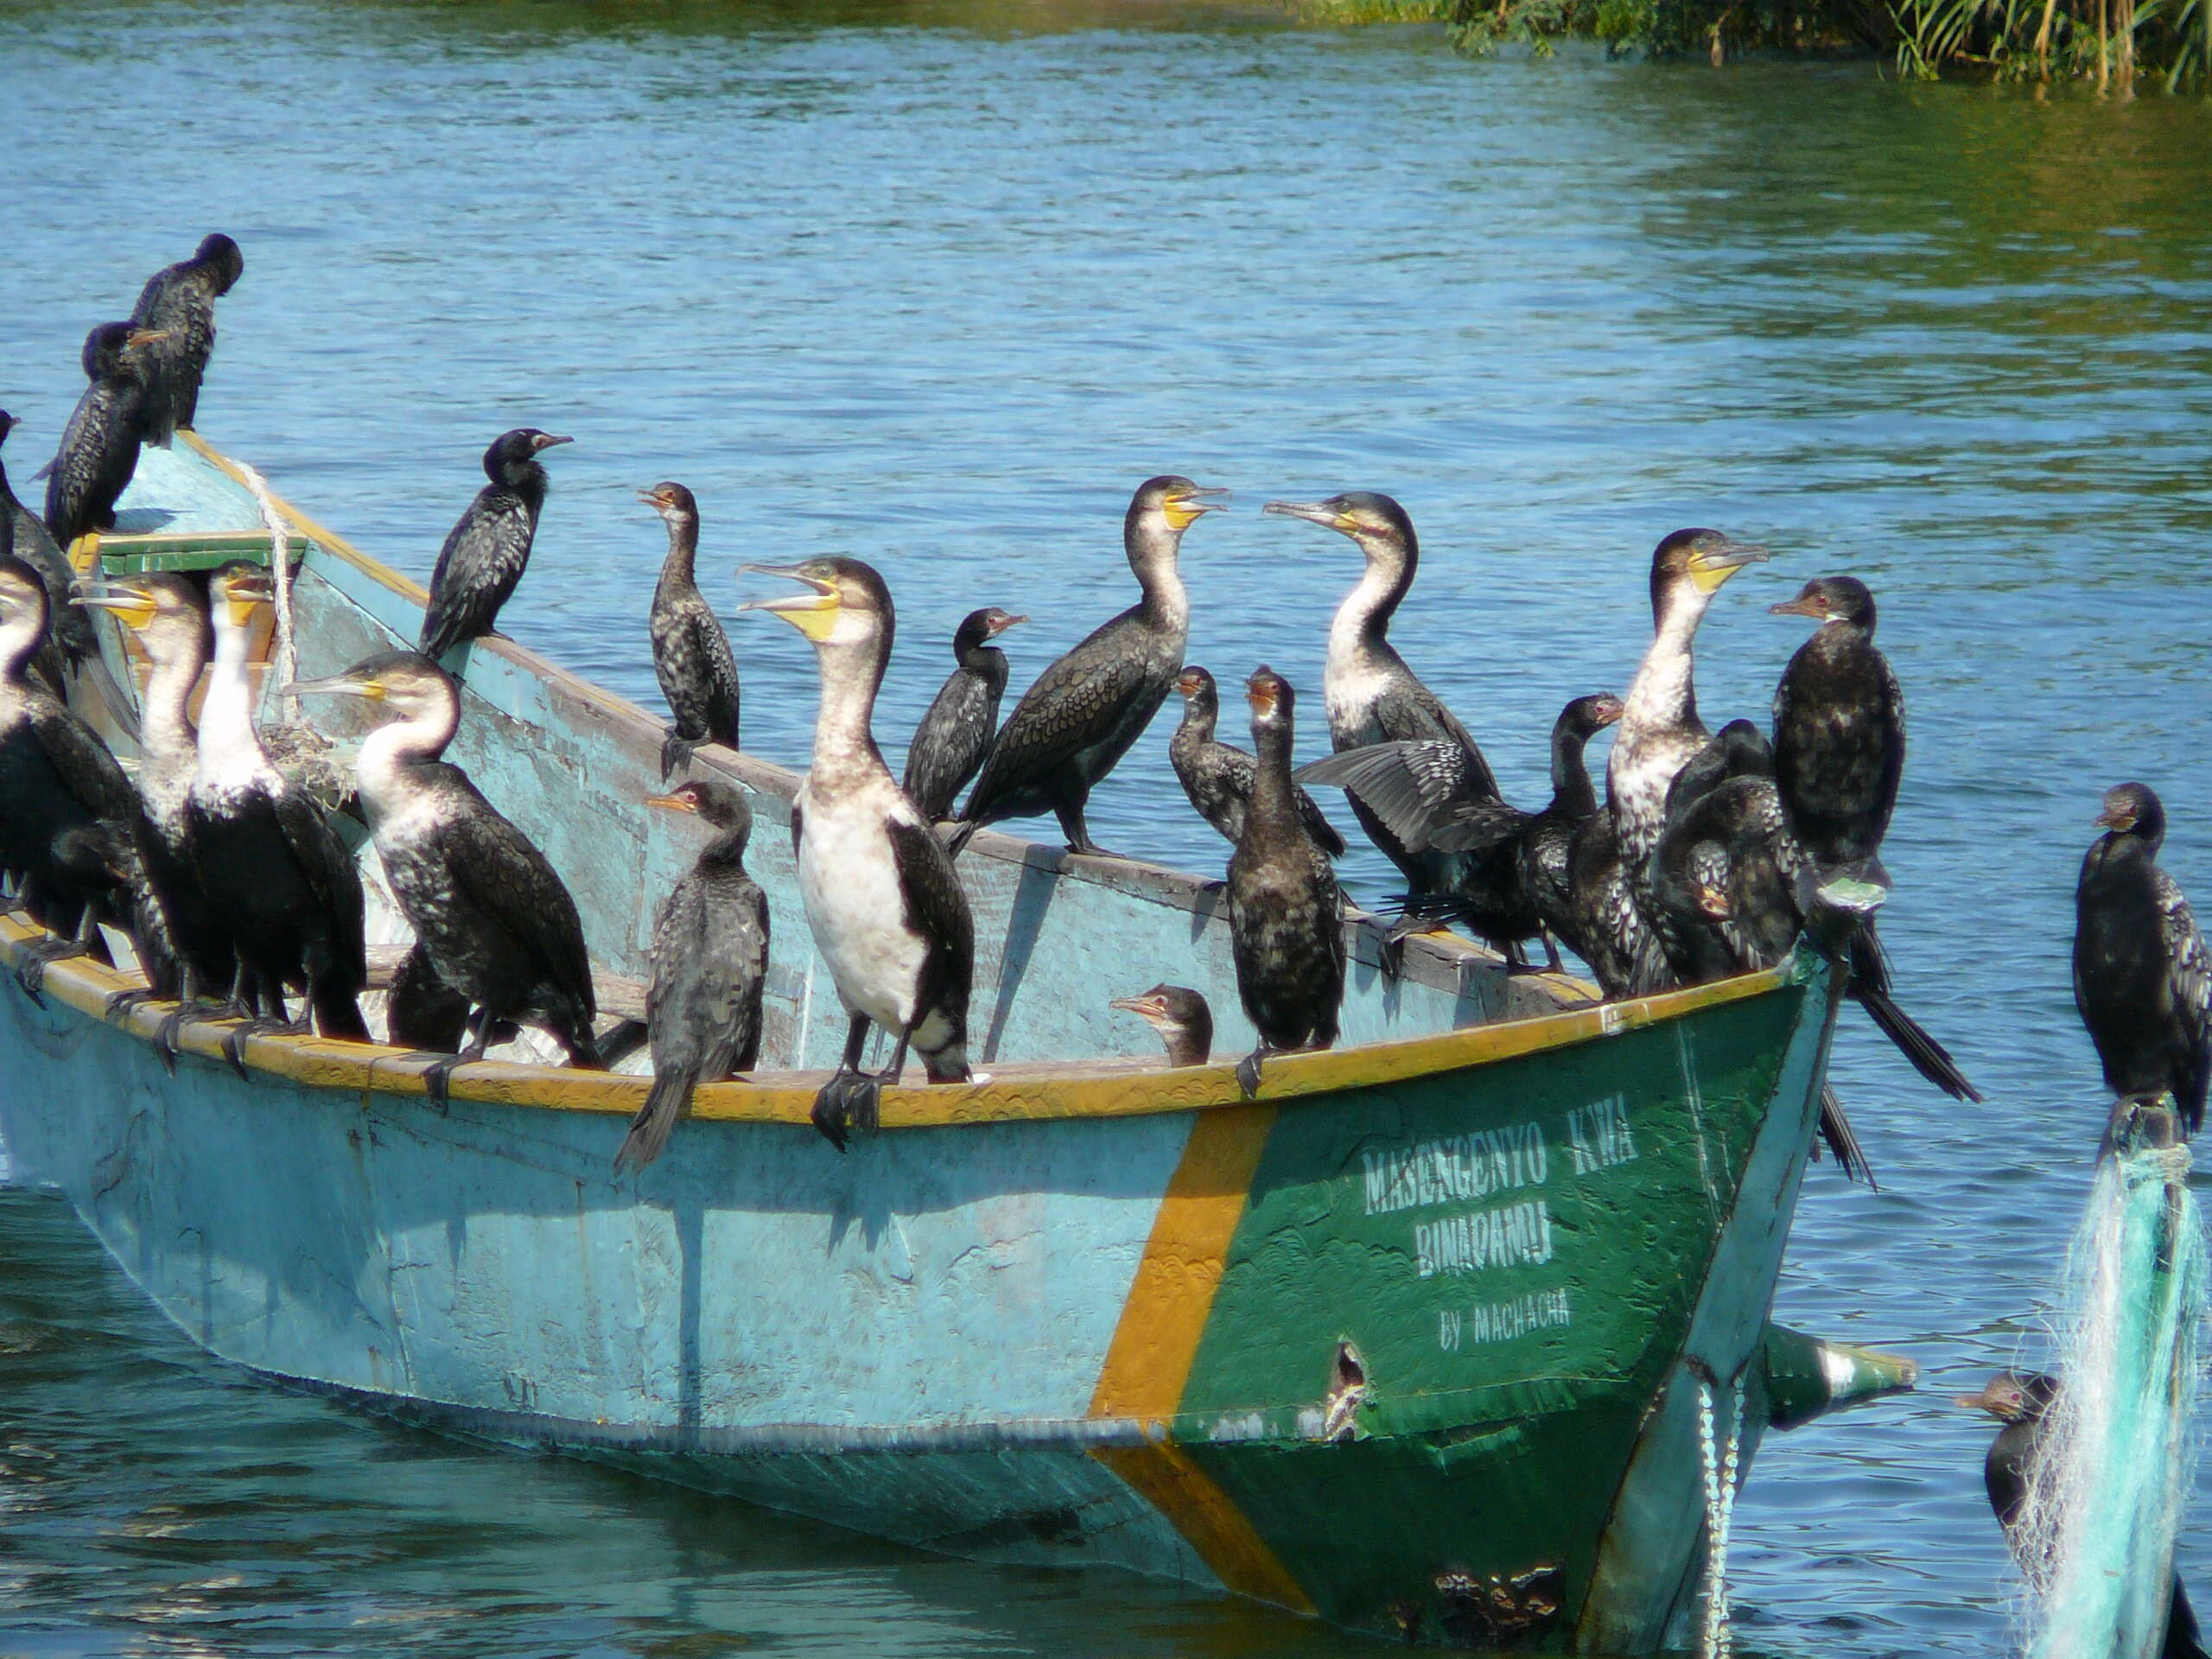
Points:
[(38, 957), (674, 751), (437, 1078), (234, 1039), (1248, 1071), (120, 1004), (848, 1105)]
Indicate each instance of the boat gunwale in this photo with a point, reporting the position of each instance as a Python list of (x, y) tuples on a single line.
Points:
[(90, 987)]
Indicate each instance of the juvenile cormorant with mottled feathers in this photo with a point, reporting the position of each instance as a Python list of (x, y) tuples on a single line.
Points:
[(487, 550), (269, 863), (1286, 931), (1542, 850), (179, 301), (2022, 1402), (491, 918), (955, 736), (69, 630), (1839, 726), (2142, 979), (692, 655), (1218, 776), (1082, 713), (882, 900), (1181, 1017), (710, 964), (100, 447)]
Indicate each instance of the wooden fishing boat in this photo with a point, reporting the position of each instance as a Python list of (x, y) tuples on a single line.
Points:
[(1437, 1337)]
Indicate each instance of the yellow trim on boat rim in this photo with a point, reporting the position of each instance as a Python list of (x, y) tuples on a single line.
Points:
[(368, 1068)]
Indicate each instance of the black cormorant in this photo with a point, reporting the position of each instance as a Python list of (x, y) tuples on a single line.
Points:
[(1542, 850), (692, 655), (1218, 776), (1181, 1017), (179, 300), (1082, 713), (956, 732), (70, 629), (2022, 1402), (882, 900), (269, 863), (710, 964), (484, 556), (492, 918), (2142, 979), (1839, 726), (1285, 927), (100, 447)]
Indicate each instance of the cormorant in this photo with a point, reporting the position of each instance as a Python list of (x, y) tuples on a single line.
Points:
[(1218, 776), (956, 732), (170, 617), (710, 964), (1284, 930), (69, 629), (2142, 979), (691, 655), (1839, 726), (268, 863), (1372, 697), (1082, 713), (1181, 1017), (100, 447), (1543, 849), (1617, 938), (492, 918), (55, 776), (484, 555), (881, 896), (2022, 1402), (179, 300), (1660, 728)]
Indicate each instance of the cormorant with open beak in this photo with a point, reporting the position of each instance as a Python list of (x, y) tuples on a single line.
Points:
[(2142, 979), (956, 732), (491, 919), (179, 302), (486, 553), (100, 447), (710, 965), (692, 655), (1181, 1017), (269, 863), (1085, 711), (1286, 931), (881, 896), (1218, 776)]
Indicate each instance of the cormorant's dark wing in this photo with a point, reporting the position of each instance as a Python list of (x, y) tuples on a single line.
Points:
[(950, 743), (1416, 713), (98, 454), (84, 763), (2192, 989), (175, 300), (1090, 696), (1427, 793), (331, 873), (504, 875), (477, 571), (936, 908)]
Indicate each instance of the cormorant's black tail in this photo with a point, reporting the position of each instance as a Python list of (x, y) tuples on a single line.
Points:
[(1843, 1141), (1929, 1058), (2182, 1640), (669, 1099)]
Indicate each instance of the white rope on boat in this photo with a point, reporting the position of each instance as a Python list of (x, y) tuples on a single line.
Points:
[(282, 661), (1720, 1464)]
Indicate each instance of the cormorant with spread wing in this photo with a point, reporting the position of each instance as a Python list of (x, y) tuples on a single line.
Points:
[(486, 551)]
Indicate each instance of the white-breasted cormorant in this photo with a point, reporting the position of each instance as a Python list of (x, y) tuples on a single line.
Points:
[(179, 300), (170, 617), (1082, 713), (27, 538), (486, 553), (1181, 1017), (55, 776), (1372, 697), (100, 447), (2022, 1402), (1286, 931), (1839, 726), (2142, 979), (494, 921), (882, 900), (692, 655), (955, 735), (1218, 776), (710, 964), (267, 860)]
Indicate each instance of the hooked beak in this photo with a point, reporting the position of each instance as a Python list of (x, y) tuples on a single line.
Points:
[(1714, 903), (546, 441), (1608, 711), (2001, 1398), (336, 685), (671, 803), (144, 337), (1003, 623), (1183, 511), (1146, 1007), (813, 614), (2116, 818), (1314, 512), (1188, 683), (131, 606), (1261, 696), (1811, 608), (1711, 566)]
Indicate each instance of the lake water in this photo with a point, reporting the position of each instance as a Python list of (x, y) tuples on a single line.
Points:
[(936, 286)]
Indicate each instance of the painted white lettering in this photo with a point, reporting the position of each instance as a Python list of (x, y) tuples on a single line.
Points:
[(1508, 1235), (1456, 1168), (1539, 1310), (1598, 1137)]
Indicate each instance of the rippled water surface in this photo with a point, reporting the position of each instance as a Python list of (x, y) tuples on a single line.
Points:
[(936, 286)]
